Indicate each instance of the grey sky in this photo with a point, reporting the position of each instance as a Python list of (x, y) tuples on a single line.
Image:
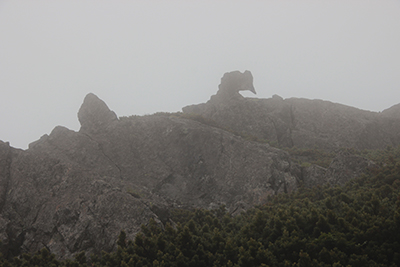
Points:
[(141, 57)]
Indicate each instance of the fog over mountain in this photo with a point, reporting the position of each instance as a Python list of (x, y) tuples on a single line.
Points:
[(141, 57)]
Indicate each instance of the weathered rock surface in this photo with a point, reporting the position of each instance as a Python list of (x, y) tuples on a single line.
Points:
[(303, 123), (94, 114), (343, 168), (73, 191), (232, 83)]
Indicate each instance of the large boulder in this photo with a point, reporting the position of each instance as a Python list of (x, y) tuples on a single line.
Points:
[(94, 114)]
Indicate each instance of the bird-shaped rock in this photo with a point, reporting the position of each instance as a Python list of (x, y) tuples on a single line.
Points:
[(235, 81)]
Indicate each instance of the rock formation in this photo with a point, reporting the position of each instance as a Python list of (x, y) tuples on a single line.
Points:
[(94, 114), (235, 81), (303, 123), (73, 191)]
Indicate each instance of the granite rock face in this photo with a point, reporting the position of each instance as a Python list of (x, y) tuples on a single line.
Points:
[(73, 191)]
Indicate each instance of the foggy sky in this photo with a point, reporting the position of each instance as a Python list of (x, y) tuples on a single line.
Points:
[(141, 57)]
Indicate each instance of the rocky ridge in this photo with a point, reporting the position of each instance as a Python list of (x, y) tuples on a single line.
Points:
[(304, 123), (73, 191)]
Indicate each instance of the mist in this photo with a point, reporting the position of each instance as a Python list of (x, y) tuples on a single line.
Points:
[(142, 57)]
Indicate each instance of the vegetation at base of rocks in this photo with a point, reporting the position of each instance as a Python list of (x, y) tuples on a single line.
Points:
[(354, 225)]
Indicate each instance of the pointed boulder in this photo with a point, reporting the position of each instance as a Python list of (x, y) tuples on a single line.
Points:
[(94, 115)]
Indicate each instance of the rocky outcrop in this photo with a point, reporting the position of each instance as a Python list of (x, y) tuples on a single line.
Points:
[(232, 83), (303, 123), (227, 94), (94, 114), (73, 191)]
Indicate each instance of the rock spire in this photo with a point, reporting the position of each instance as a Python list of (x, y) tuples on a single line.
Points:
[(94, 114)]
